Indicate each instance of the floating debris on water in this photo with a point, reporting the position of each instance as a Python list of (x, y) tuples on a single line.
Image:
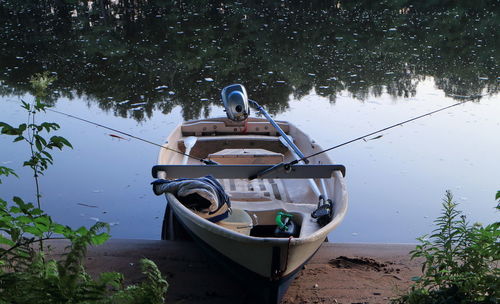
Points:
[(373, 138), (138, 104), (208, 79), (86, 205), (119, 137), (162, 87)]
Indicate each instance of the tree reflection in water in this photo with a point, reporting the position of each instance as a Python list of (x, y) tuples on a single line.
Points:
[(132, 57)]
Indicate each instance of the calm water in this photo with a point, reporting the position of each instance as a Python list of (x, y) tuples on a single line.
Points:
[(335, 71)]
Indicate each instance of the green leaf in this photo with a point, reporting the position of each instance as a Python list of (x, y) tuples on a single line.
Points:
[(497, 197), (25, 105), (33, 230), (14, 234), (66, 142), (40, 106), (15, 209), (36, 211), (38, 144), (113, 279), (19, 201), (50, 126), (29, 163), (24, 219), (6, 241), (100, 238), (8, 129), (60, 229), (7, 171), (82, 230), (44, 220), (49, 156), (42, 227), (59, 142)]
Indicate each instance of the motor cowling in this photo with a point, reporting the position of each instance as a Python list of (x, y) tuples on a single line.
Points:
[(235, 101)]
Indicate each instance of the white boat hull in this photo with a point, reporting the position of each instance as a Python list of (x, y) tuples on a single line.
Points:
[(270, 262)]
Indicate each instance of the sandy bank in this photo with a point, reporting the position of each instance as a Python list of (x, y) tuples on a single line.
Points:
[(339, 273)]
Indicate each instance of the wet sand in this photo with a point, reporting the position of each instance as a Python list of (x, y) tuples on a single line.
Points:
[(338, 273)]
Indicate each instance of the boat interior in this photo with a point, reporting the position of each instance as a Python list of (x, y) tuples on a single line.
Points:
[(255, 142)]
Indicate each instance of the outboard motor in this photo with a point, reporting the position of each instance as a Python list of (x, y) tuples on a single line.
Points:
[(235, 101)]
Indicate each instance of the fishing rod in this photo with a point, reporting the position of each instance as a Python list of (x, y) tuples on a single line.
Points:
[(206, 162), (237, 108), (378, 131)]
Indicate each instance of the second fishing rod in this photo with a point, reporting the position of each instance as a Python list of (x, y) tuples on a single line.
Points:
[(205, 161)]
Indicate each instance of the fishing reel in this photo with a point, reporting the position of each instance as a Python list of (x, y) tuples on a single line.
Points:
[(235, 101), (285, 227), (324, 213)]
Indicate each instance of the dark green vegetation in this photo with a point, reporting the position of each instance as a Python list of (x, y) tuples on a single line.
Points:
[(27, 275), (460, 261), (136, 56)]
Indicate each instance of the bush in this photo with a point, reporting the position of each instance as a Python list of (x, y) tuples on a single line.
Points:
[(460, 261)]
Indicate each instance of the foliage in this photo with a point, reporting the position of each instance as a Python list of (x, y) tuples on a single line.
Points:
[(6, 171), (32, 133), (497, 197), (460, 261), (26, 274)]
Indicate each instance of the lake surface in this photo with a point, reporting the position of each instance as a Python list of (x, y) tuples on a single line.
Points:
[(336, 71)]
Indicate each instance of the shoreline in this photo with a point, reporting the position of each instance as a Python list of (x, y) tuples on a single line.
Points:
[(338, 273)]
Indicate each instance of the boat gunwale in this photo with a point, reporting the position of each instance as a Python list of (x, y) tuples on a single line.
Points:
[(321, 232), (340, 204)]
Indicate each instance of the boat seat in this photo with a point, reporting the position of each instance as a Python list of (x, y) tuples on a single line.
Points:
[(206, 145), (224, 126), (246, 157)]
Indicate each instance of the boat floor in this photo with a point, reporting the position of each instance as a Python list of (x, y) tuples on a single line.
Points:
[(262, 198), (257, 189)]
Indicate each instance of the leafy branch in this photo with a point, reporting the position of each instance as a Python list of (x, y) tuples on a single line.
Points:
[(26, 276)]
